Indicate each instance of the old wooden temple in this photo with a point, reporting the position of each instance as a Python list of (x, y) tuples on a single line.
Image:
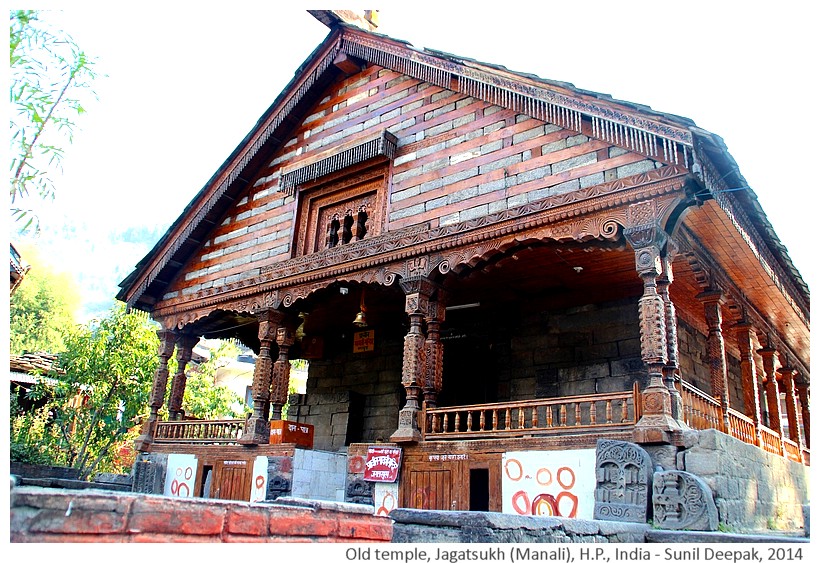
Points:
[(530, 267)]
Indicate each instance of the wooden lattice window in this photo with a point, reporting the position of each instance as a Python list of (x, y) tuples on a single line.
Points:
[(341, 192), (341, 210)]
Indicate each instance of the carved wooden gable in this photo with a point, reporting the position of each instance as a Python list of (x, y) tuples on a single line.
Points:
[(375, 138), (382, 151)]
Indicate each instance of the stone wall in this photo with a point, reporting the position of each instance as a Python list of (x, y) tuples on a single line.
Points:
[(427, 526), (694, 364), (319, 475), (753, 490), (590, 349), (352, 398), (51, 516)]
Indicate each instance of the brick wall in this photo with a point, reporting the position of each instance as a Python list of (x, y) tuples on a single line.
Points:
[(52, 516)]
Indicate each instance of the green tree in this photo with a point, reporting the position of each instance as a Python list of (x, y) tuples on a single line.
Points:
[(49, 76), (42, 309), (203, 398), (100, 395)]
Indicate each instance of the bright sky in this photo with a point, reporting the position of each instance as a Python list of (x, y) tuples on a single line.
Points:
[(184, 86)]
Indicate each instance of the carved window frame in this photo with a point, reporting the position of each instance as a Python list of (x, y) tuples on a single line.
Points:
[(364, 184)]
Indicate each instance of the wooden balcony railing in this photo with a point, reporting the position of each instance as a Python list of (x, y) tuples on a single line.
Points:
[(584, 413), (792, 450), (702, 412), (538, 417), (199, 432), (770, 441)]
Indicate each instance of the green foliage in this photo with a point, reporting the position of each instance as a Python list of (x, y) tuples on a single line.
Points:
[(108, 372), (49, 75), (42, 309), (26, 433), (203, 398)]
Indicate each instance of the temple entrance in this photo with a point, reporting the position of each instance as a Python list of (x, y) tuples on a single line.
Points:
[(450, 480), (227, 479)]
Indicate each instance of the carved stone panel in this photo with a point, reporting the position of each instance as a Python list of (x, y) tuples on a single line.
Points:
[(683, 501), (149, 474), (358, 491), (280, 476), (623, 474)]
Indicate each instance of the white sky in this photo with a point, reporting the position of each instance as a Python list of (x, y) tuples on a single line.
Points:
[(184, 86)]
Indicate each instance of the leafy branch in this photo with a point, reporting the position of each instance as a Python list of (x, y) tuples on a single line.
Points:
[(48, 73)]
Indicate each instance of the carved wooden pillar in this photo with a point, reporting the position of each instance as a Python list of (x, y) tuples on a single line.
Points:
[(748, 374), (716, 350), (167, 341), (648, 240), (787, 378), (257, 428), (803, 395), (671, 373), (285, 337), (185, 348), (417, 293), (772, 390), (434, 352)]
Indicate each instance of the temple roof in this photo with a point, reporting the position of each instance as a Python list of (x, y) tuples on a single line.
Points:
[(711, 159)]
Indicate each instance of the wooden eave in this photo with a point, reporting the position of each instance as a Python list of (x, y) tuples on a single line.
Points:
[(631, 126)]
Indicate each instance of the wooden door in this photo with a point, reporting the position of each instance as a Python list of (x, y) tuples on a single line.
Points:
[(234, 482), (229, 479), (470, 482), (431, 489)]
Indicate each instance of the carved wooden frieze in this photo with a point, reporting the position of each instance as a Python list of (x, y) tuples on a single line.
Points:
[(420, 250), (382, 144), (525, 96)]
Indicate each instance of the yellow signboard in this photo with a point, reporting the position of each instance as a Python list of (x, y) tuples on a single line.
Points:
[(364, 341)]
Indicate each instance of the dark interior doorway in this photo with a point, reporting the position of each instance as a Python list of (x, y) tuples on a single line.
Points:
[(480, 490)]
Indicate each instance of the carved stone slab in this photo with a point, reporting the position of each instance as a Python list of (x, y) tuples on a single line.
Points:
[(623, 472), (149, 474), (683, 501)]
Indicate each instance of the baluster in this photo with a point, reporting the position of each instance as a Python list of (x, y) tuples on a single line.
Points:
[(469, 420), (578, 414), (481, 420), (624, 411), (609, 411), (549, 416), (520, 417), (495, 419), (534, 421), (457, 427), (563, 415), (507, 418), (593, 415), (446, 422)]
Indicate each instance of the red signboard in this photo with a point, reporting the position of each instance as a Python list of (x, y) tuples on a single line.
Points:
[(287, 432), (382, 464)]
